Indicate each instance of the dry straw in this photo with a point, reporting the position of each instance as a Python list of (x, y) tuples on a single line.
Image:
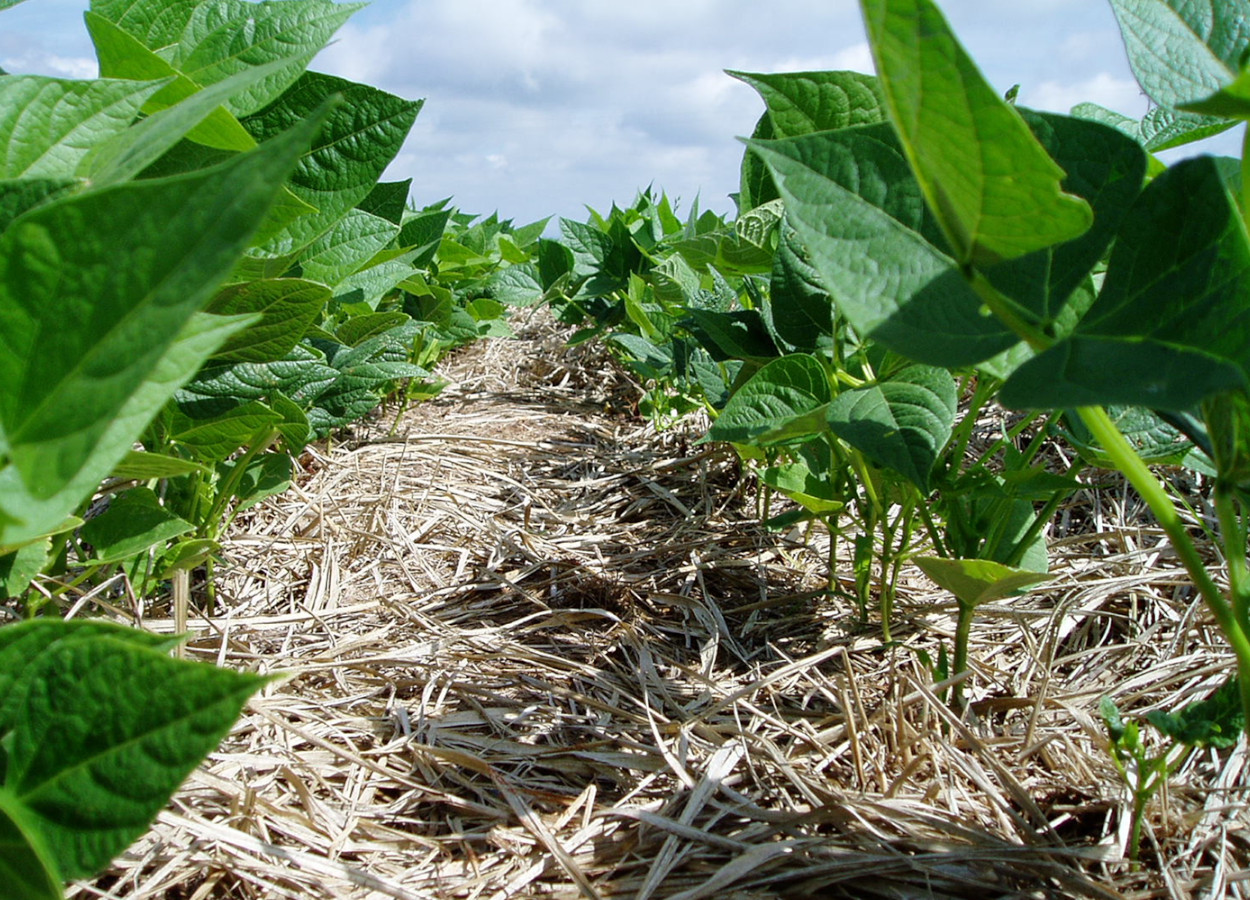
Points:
[(531, 647)]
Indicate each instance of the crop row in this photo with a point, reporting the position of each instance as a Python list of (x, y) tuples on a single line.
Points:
[(200, 273)]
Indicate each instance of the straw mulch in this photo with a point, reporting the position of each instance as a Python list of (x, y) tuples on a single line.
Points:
[(530, 647)]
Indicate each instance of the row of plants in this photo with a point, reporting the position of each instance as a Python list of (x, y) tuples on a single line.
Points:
[(915, 250), (200, 273)]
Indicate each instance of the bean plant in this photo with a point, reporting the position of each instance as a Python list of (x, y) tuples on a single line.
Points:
[(1051, 257), (200, 273)]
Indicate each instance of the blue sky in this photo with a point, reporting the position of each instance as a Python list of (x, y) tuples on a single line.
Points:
[(542, 107)]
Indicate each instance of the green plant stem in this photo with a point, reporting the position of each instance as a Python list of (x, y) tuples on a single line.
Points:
[(935, 535), (1245, 177), (1233, 533), (1126, 459), (963, 634), (1006, 311)]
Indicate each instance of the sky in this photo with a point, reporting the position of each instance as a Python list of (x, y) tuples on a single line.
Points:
[(537, 108)]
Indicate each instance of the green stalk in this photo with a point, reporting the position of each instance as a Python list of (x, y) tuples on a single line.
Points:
[(1233, 534), (1125, 458), (1245, 178), (963, 635), (1007, 311)]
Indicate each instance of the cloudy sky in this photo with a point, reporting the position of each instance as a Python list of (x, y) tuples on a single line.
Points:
[(542, 107)]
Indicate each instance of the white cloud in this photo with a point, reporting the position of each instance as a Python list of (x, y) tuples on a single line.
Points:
[(857, 57), (1123, 95), (51, 64)]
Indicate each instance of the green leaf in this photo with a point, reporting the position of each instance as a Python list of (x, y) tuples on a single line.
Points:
[(23, 643), (139, 465), (355, 145), (901, 423), (782, 402), (800, 309), (125, 155), (802, 103), (1171, 325), (995, 191), (20, 195), (216, 438), (388, 200), (209, 42), (32, 515), (303, 376), (294, 426), (809, 479), (1112, 719), (228, 36), (805, 102), (26, 867), (360, 328), (370, 285), (1160, 129), (134, 522), (1104, 168), (859, 211), (20, 567), (286, 308), (116, 308), (977, 581), (518, 285), (1231, 102), (1183, 51), (347, 247), (104, 734), (265, 476), (739, 334), (1216, 722), (122, 56), (48, 125)]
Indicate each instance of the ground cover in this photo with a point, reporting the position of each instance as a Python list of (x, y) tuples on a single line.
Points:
[(762, 587), (530, 646)]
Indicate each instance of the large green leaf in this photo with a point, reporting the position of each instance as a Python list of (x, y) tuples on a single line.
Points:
[(783, 402), (870, 236), (48, 125), (1171, 325), (104, 734), (134, 522), (901, 423), (286, 307), (125, 155), (800, 310), (217, 437), (977, 581), (26, 867), (1160, 129), (303, 376), (1181, 50), (804, 102), (1106, 169), (88, 314), (122, 56), (211, 40), (20, 195), (228, 36), (23, 642), (358, 141), (996, 192), (25, 516), (347, 247)]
